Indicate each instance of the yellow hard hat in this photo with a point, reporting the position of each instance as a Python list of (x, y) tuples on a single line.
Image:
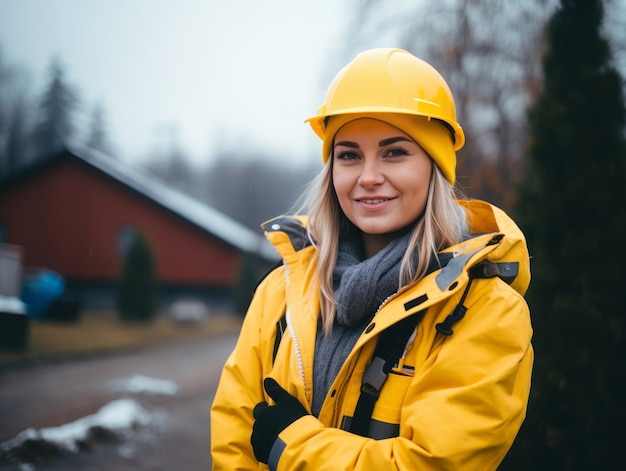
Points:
[(388, 82)]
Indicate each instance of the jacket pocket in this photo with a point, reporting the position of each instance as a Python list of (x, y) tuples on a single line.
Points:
[(385, 421), (389, 404)]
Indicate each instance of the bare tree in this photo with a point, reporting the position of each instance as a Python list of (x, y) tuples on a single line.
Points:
[(171, 163), (490, 53), (255, 188)]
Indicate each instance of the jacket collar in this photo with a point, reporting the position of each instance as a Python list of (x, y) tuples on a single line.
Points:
[(495, 239)]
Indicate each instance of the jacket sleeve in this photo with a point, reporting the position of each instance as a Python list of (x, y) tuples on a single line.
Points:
[(462, 410), (241, 383)]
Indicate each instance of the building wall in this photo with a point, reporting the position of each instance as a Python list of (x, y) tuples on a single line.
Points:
[(69, 218)]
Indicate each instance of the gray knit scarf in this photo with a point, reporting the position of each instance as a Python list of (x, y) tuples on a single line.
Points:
[(360, 285)]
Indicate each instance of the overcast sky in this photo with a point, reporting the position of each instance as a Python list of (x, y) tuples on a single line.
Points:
[(207, 74)]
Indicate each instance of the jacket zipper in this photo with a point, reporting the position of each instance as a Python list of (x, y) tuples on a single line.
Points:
[(296, 347), (346, 377)]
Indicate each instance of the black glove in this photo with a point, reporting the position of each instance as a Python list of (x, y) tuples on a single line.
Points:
[(271, 420)]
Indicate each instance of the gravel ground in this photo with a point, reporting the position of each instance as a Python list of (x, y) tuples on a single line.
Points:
[(55, 394)]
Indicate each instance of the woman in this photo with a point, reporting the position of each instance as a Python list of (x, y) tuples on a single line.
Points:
[(407, 340)]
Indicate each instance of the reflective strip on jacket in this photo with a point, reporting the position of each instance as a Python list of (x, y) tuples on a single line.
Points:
[(457, 404)]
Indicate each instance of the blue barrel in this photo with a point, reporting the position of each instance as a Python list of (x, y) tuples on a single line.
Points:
[(39, 290)]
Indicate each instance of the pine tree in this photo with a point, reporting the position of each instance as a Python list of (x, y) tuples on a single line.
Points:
[(246, 284), (572, 210), (137, 295), (58, 103), (97, 137), (15, 116), (17, 145)]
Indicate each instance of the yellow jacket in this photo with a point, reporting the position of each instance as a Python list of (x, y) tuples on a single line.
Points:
[(459, 408)]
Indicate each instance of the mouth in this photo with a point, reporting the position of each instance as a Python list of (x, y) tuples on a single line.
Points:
[(374, 204), (373, 200)]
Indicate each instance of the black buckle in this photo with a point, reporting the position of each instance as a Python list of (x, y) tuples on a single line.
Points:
[(374, 377)]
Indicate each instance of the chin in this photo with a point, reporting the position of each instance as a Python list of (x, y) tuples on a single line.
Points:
[(389, 230), (376, 230)]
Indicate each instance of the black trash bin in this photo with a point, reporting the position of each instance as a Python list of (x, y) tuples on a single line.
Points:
[(66, 309), (14, 325)]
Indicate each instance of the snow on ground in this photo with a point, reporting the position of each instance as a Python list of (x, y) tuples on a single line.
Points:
[(139, 384), (120, 418), (117, 416), (12, 304)]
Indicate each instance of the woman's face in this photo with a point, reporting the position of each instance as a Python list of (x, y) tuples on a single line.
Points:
[(381, 178)]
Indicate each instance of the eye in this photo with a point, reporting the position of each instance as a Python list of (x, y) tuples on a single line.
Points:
[(347, 155), (396, 152)]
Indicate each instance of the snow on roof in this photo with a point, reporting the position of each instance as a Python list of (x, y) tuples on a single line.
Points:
[(196, 212)]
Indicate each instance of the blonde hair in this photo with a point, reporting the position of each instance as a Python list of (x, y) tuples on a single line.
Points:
[(442, 225)]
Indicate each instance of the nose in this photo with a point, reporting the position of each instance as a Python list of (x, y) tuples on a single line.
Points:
[(371, 173)]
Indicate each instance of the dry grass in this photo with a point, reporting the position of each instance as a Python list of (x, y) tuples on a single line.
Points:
[(102, 332)]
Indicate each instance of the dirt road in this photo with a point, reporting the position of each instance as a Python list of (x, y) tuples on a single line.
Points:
[(55, 394)]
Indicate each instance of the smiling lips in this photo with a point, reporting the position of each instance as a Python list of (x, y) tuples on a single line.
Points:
[(373, 202)]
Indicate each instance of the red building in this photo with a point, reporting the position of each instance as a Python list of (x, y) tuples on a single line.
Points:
[(75, 214)]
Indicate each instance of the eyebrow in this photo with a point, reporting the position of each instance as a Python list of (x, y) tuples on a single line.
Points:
[(383, 143)]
